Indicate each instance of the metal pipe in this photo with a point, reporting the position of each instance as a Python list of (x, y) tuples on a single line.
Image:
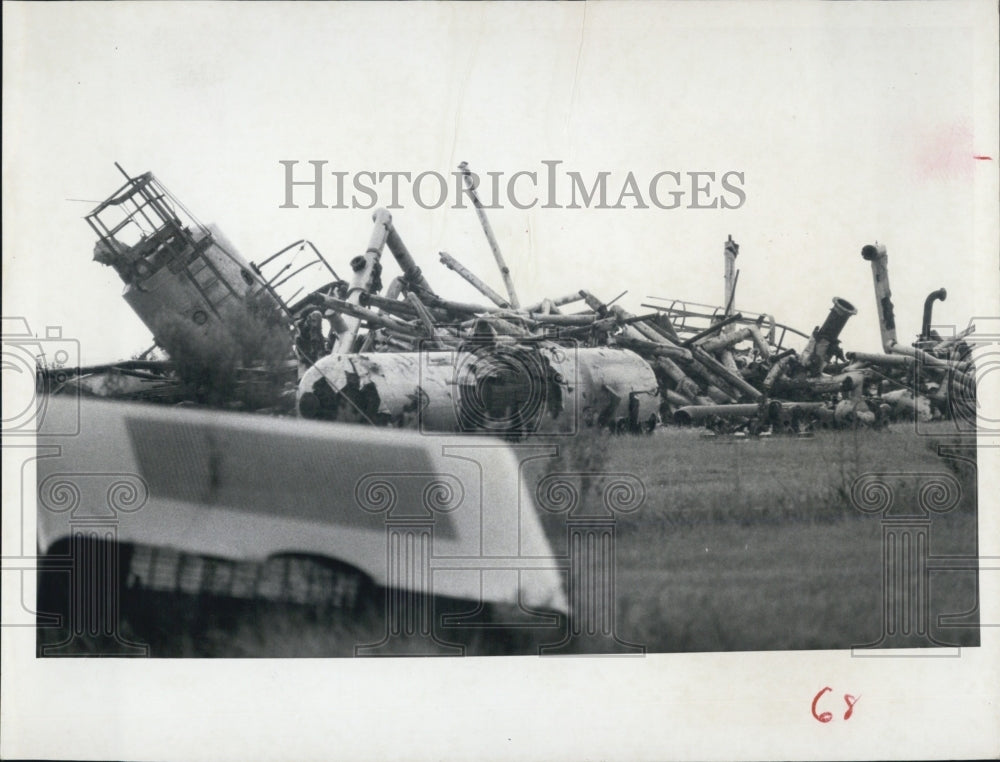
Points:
[(712, 379), (392, 341), (654, 336), (876, 254), (501, 326), (366, 269), (593, 302), (676, 399), (400, 308), (440, 338), (670, 369), (662, 324), (453, 264), (850, 381), (717, 395), (958, 337), (712, 329), (602, 324), (728, 359), (559, 302), (411, 273), (640, 324), (777, 370), (760, 342), (494, 246), (392, 306), (688, 415), (356, 314), (824, 341), (620, 316), (459, 307), (927, 360), (778, 408), (392, 293), (574, 320), (337, 323), (724, 342), (836, 319), (644, 347), (894, 360), (730, 252), (422, 313), (734, 379), (933, 296)]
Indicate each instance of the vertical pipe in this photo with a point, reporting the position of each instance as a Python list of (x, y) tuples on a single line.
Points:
[(366, 269), (876, 254), (730, 252), (925, 329)]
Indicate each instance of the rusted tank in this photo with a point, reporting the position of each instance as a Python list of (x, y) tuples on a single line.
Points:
[(509, 389)]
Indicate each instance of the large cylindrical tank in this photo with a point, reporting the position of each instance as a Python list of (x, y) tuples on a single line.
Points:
[(500, 389)]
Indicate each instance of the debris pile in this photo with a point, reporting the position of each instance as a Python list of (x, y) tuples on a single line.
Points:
[(404, 355)]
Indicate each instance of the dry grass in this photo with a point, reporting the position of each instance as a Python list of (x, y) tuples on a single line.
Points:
[(747, 544), (741, 544)]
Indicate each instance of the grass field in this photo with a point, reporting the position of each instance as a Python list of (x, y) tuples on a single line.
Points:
[(740, 544)]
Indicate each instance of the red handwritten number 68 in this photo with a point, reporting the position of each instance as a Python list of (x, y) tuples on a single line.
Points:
[(827, 716)]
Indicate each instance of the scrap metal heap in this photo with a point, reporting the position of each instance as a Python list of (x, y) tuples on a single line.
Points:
[(407, 356), (224, 329)]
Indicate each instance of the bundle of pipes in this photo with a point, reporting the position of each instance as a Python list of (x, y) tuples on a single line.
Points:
[(704, 369)]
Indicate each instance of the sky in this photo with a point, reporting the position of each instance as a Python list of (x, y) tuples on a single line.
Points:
[(849, 123)]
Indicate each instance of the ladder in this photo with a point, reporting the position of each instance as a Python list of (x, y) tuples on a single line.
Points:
[(208, 280)]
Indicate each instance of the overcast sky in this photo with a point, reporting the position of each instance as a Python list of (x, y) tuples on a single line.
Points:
[(849, 123)]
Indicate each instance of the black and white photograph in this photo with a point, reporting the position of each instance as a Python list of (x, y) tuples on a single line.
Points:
[(631, 359)]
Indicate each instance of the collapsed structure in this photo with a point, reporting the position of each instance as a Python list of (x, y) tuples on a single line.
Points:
[(356, 350)]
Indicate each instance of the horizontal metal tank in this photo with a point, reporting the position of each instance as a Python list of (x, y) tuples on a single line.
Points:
[(513, 389)]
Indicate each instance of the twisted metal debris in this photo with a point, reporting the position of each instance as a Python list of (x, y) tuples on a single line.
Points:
[(246, 335)]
